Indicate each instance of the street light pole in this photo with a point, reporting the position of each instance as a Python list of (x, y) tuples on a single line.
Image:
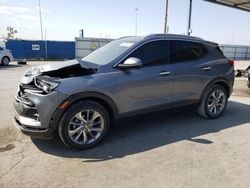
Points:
[(166, 18), (136, 16), (189, 31), (41, 24)]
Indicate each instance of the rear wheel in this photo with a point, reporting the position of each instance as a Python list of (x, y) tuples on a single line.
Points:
[(5, 61), (84, 125), (214, 102)]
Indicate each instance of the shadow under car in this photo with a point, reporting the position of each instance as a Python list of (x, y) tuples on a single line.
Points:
[(150, 131)]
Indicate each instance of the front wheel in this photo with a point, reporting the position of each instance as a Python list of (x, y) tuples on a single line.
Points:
[(84, 125), (5, 61), (214, 102)]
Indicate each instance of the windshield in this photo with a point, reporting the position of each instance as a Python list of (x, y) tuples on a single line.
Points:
[(110, 51)]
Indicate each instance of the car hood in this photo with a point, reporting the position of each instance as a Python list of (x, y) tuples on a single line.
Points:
[(57, 65), (58, 68)]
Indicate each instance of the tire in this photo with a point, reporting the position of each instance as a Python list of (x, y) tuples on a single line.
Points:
[(214, 102), (5, 61), (84, 125)]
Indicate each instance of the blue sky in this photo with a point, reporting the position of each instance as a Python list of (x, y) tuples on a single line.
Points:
[(114, 18)]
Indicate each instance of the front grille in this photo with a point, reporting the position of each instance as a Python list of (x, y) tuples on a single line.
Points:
[(30, 87), (29, 108), (21, 95)]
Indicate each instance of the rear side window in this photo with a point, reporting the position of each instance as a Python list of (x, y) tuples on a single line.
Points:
[(153, 53), (186, 51), (219, 50)]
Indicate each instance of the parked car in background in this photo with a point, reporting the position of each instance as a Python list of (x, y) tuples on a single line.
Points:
[(129, 76), (5, 56)]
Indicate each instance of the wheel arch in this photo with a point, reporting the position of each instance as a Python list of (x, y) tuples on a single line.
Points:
[(219, 81), (101, 98), (5, 57)]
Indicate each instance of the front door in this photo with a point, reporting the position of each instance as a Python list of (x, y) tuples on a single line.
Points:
[(151, 86)]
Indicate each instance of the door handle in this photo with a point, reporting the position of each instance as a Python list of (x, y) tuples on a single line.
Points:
[(206, 68), (165, 73)]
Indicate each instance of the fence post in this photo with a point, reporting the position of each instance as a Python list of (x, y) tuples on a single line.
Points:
[(247, 53), (235, 52)]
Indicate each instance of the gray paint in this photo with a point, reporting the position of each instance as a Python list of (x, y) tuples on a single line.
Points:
[(139, 90)]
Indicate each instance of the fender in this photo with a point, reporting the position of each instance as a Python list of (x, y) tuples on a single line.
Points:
[(221, 81), (81, 96)]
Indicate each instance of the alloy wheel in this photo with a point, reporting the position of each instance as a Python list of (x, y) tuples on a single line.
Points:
[(6, 61), (216, 102), (86, 127)]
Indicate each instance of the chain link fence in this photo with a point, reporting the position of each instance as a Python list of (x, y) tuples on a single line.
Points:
[(236, 52)]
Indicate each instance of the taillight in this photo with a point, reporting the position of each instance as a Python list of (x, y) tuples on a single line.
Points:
[(231, 62)]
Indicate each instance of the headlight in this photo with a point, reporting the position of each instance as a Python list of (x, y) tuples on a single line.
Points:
[(45, 85)]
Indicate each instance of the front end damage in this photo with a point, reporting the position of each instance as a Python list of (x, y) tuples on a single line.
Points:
[(37, 100)]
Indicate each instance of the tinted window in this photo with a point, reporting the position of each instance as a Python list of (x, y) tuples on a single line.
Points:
[(219, 49), (153, 53), (186, 51)]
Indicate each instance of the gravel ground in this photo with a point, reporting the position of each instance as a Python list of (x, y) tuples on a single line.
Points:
[(167, 149)]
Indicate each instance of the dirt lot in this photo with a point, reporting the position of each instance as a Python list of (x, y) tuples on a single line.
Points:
[(178, 149)]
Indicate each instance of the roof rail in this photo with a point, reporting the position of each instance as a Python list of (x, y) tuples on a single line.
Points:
[(172, 35), (125, 37)]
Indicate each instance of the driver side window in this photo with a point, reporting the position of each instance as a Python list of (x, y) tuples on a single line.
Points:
[(152, 53)]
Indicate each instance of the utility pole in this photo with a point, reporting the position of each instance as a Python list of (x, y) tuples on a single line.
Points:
[(136, 16), (166, 18), (189, 30), (41, 24)]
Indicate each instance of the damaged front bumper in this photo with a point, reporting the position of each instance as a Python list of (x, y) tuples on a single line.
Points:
[(35, 110), (31, 127)]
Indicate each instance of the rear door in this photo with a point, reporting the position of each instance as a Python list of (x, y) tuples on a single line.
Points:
[(151, 86), (193, 68)]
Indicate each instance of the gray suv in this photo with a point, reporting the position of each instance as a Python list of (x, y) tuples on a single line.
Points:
[(132, 75)]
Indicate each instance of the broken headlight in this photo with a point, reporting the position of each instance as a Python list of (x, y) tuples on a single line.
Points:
[(46, 86)]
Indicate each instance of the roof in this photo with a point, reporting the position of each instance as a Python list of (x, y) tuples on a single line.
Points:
[(238, 4), (178, 37), (172, 36)]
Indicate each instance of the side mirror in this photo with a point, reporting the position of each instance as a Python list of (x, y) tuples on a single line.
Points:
[(131, 62)]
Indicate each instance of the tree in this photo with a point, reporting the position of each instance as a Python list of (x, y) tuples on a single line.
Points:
[(11, 32)]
